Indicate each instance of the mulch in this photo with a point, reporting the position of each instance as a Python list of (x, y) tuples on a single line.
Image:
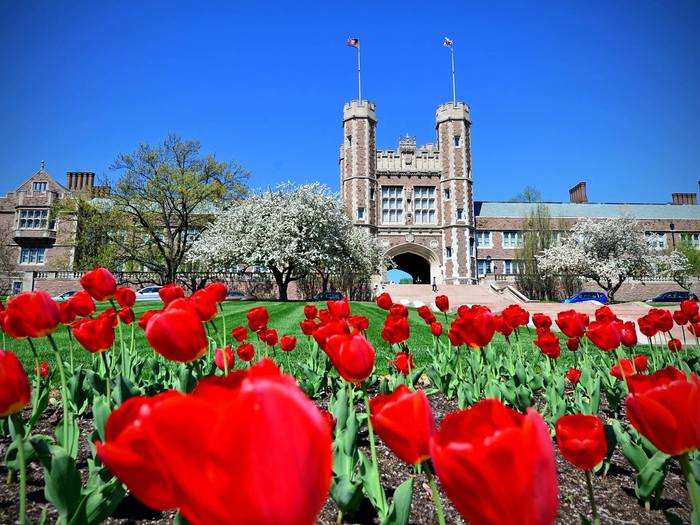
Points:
[(614, 492)]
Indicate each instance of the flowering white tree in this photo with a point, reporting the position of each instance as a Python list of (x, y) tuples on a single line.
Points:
[(676, 267), (608, 251), (290, 230)]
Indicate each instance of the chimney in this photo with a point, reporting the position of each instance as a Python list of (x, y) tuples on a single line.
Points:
[(684, 198), (80, 180), (577, 194)]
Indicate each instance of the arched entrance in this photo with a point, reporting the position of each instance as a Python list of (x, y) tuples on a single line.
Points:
[(416, 260)]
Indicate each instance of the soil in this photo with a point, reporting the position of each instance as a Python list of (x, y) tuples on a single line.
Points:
[(614, 493)]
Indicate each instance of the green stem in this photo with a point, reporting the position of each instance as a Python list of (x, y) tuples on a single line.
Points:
[(108, 379), (19, 430), (692, 484), (591, 497), (64, 388), (435, 494), (373, 452)]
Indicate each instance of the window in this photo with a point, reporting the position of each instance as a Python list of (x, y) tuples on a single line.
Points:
[(657, 240), (33, 219), (32, 255), (512, 239), (371, 194), (483, 240), (448, 252), (511, 267), (447, 194), (349, 139), (39, 186), (360, 213), (460, 214), (16, 287), (424, 205), (458, 141), (691, 239), (484, 266), (392, 204)]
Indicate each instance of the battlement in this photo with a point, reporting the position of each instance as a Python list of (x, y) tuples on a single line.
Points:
[(359, 109), (450, 111), (409, 158)]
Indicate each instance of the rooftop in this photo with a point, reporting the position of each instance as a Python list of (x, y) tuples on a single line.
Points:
[(561, 210)]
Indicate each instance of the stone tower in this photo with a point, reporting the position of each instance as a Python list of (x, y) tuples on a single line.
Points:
[(452, 124), (358, 160)]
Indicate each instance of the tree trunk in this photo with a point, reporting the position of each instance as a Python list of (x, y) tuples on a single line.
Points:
[(282, 284), (324, 282)]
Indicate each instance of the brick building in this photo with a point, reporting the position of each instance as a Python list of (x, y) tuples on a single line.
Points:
[(34, 235), (418, 201)]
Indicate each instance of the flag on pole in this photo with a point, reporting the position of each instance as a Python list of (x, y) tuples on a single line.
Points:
[(447, 42), (353, 42)]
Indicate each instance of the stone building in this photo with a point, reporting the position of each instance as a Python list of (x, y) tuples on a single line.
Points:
[(35, 237), (418, 201)]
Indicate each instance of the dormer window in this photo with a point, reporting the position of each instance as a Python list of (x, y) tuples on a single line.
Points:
[(39, 186)]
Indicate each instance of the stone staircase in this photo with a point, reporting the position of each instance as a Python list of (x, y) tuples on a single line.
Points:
[(420, 294)]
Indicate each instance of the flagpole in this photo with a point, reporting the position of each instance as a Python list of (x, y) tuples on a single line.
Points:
[(359, 74), (454, 89)]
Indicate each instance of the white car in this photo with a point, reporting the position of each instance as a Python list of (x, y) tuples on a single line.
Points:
[(149, 293), (64, 296)]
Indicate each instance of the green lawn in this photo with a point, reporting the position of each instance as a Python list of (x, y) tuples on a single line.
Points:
[(284, 316)]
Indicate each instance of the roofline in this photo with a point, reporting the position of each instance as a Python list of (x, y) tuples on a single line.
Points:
[(584, 203)]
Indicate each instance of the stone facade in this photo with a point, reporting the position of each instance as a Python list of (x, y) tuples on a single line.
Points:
[(417, 200), (36, 236)]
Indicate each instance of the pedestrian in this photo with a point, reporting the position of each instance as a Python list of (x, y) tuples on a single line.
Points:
[(435, 285)]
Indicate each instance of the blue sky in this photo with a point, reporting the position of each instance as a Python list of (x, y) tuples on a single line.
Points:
[(607, 92)]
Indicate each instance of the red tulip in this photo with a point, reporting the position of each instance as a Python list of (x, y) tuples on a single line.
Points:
[(288, 343), (665, 408), (573, 375), (308, 327), (126, 315), (204, 304), (257, 318), (442, 303), (548, 343), (572, 343), (680, 318), (605, 315), (95, 335), (239, 333), (690, 308), (662, 319), (628, 334), (109, 316), (43, 369), (502, 325), (436, 329), (329, 417), (31, 314), (572, 323), (625, 368), (403, 362), (310, 311), (125, 296), (674, 345), (217, 291), (224, 358), (426, 314), (647, 326), (404, 422), (324, 315), (359, 322), (177, 334), (246, 352), (145, 317), (605, 335), (515, 315), (398, 310), (474, 326), (328, 329), (496, 465), (541, 321), (396, 330), (82, 303), (694, 328), (339, 309), (270, 336), (170, 292), (66, 314), (99, 283), (581, 440), (15, 391), (352, 356), (384, 301)]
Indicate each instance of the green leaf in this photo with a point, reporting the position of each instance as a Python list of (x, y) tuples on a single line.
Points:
[(102, 501), (71, 446), (347, 494), (373, 489), (62, 483), (652, 474), (100, 411), (400, 508)]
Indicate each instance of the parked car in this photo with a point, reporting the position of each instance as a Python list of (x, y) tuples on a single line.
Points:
[(327, 296), (149, 293), (582, 297), (235, 295), (673, 297), (64, 296)]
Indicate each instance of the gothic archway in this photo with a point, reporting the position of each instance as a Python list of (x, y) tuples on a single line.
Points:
[(416, 260)]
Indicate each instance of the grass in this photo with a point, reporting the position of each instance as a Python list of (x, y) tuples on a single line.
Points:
[(284, 317)]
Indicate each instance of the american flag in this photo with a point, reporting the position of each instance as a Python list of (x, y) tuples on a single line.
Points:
[(353, 42), (447, 42)]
